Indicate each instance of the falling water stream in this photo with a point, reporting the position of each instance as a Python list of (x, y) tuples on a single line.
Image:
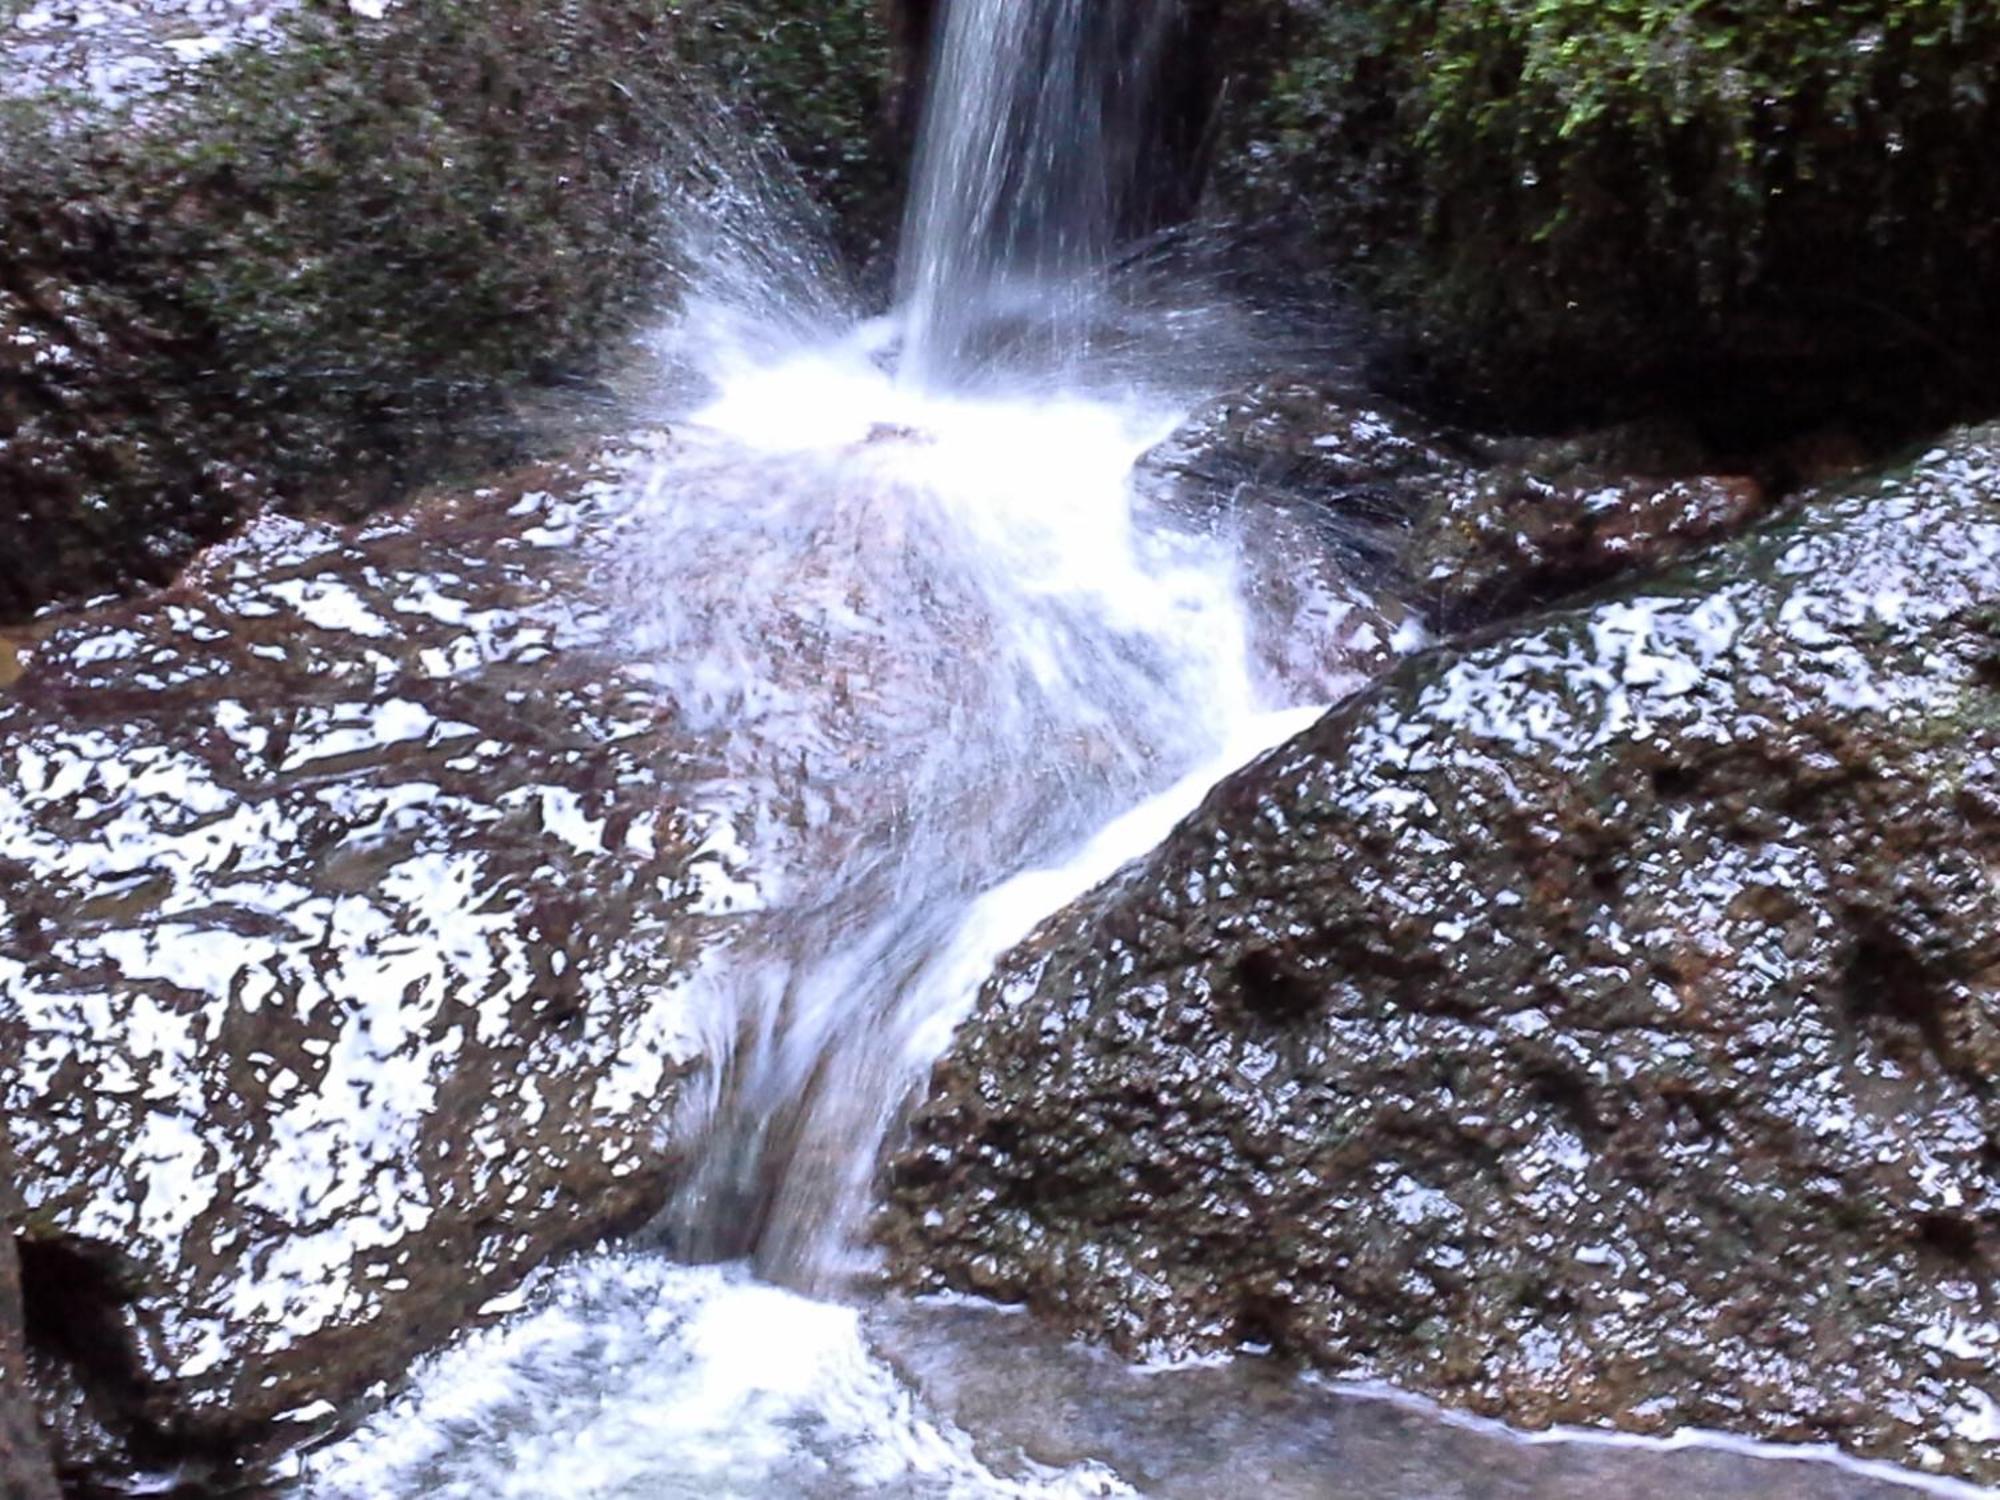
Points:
[(961, 668), (949, 640), (1030, 170)]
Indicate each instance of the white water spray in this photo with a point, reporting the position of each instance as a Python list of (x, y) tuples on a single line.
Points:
[(942, 638), (947, 642), (956, 668)]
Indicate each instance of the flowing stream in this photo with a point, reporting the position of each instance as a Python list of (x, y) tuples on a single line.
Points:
[(964, 670), (963, 667)]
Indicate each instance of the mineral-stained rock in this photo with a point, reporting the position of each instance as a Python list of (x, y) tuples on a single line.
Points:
[(24, 1463), (1594, 1023), (349, 886)]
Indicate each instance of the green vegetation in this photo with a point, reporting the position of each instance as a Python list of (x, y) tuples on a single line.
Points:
[(1583, 189), (390, 219)]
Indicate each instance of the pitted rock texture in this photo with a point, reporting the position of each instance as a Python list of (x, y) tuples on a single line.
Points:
[(350, 893), (1596, 1023), (25, 1473)]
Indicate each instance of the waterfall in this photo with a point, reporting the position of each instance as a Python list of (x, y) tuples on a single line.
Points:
[(1033, 164), (952, 666), (1039, 651), (941, 665), (949, 647)]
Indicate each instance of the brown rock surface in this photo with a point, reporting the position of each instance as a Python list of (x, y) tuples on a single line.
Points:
[(24, 1462), (350, 886), (1595, 1024)]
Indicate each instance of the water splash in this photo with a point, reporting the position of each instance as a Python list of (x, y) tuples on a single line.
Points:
[(946, 641), (958, 668), (629, 1378), (639, 1380)]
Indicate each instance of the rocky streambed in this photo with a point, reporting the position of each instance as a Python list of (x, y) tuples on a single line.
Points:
[(1534, 1033), (408, 890), (376, 890)]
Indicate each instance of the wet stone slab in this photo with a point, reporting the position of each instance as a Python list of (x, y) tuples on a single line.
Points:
[(1253, 1427), (1472, 528), (350, 886), (1594, 1023)]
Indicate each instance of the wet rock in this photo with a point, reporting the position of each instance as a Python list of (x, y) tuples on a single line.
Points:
[(1511, 537), (72, 57), (1738, 211), (1316, 483), (1283, 429), (1470, 528), (25, 1473), (1593, 1024), (1353, 463), (352, 886), (320, 252)]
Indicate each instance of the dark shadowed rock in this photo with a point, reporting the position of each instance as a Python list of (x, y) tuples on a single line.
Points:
[(1474, 528), (314, 255), (24, 1462), (1517, 536), (1594, 1024), (1358, 467), (351, 886), (1575, 210)]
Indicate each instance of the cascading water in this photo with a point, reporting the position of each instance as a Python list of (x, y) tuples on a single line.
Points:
[(956, 667), (1017, 654), (1032, 166), (1024, 651), (951, 667)]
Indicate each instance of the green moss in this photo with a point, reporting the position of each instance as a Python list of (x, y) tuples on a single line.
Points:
[(310, 271), (395, 216), (1611, 185), (313, 271)]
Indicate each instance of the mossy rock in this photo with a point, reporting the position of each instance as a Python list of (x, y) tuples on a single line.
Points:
[(312, 272), (1581, 204)]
